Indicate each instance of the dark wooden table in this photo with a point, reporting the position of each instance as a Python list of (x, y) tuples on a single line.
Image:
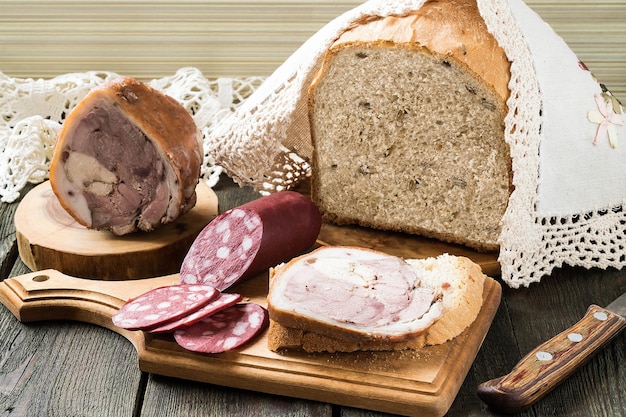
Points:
[(75, 369)]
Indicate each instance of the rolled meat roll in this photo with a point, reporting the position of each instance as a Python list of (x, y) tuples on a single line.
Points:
[(128, 158)]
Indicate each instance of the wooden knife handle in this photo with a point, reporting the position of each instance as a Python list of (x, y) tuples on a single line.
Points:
[(550, 363)]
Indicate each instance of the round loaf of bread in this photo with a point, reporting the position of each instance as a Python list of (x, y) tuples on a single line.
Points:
[(407, 123)]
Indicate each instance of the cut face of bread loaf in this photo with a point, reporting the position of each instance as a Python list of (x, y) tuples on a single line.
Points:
[(128, 158), (407, 122), (346, 299)]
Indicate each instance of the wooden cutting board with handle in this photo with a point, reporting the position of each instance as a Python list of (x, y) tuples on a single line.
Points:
[(412, 383)]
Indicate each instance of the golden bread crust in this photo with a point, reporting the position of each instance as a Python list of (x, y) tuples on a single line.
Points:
[(450, 29)]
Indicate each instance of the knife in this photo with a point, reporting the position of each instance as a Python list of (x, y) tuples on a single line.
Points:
[(549, 364)]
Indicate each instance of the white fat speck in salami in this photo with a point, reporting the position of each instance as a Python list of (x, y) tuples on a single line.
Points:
[(251, 238), (246, 243), (226, 236), (163, 304), (223, 226), (238, 213), (251, 222), (224, 300), (224, 331), (223, 252)]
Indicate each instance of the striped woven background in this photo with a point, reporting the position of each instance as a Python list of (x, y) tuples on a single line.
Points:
[(233, 38)]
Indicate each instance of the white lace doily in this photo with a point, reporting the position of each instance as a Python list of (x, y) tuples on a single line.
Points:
[(32, 111)]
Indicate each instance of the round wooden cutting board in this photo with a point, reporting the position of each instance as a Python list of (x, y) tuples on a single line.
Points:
[(48, 237)]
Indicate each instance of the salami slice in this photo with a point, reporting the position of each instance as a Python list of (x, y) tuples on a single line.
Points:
[(249, 239), (224, 331), (223, 301), (162, 305)]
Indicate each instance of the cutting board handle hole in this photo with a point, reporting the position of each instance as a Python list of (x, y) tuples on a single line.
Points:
[(41, 278)]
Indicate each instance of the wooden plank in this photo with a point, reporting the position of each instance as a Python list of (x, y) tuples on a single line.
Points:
[(65, 368), (149, 39), (595, 31), (152, 38), (174, 397), (8, 245)]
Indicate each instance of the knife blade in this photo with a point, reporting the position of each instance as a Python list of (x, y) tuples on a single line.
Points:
[(550, 363)]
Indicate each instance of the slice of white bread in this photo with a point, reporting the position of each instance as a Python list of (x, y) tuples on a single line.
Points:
[(461, 281), (458, 280), (407, 122)]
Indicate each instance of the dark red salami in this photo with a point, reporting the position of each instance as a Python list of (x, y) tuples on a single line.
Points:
[(249, 239), (224, 331), (162, 305), (220, 303)]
